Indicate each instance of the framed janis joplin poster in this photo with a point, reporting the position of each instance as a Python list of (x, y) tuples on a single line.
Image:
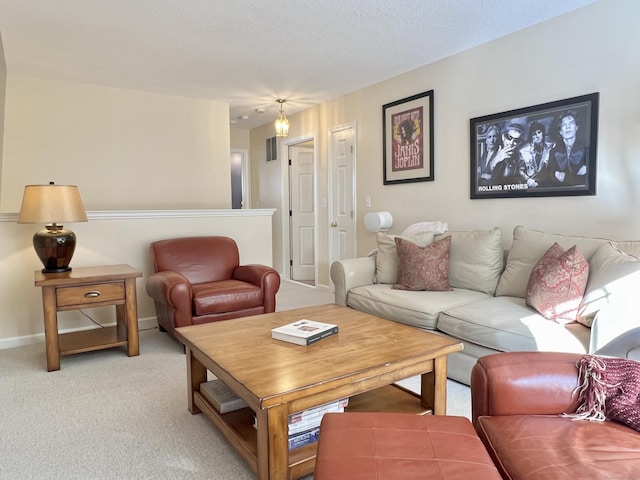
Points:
[(545, 150), (407, 139)]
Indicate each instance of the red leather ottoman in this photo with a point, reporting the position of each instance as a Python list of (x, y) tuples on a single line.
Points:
[(385, 446)]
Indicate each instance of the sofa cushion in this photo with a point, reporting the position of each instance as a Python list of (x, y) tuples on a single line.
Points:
[(557, 283), (387, 256), (612, 274), (423, 268), (527, 248), (476, 260), (543, 447), (506, 324), (419, 309)]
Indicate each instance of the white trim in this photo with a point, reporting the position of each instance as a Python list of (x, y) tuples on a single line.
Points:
[(196, 213)]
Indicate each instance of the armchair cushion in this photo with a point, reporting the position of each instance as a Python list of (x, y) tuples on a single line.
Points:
[(225, 296)]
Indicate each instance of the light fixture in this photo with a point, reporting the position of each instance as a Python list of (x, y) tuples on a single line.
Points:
[(378, 221), (282, 124), (53, 204)]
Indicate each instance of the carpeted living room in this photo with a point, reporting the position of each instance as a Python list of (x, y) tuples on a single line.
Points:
[(488, 148), (105, 415)]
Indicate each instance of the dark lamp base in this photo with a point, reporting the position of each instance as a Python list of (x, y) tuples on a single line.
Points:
[(54, 246)]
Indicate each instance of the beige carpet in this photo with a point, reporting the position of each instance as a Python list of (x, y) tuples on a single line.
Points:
[(107, 416)]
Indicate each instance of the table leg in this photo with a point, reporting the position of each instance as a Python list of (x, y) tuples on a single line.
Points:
[(51, 328), (196, 374), (133, 339), (434, 387), (278, 447)]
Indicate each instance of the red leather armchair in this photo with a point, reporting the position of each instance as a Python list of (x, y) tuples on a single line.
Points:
[(200, 279)]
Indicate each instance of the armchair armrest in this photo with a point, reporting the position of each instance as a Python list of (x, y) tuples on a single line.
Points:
[(169, 288), (524, 383), (174, 291), (350, 273), (267, 278)]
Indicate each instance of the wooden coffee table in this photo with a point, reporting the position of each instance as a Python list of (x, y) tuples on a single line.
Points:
[(277, 378)]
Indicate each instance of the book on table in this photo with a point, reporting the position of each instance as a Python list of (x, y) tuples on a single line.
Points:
[(221, 396), (304, 332)]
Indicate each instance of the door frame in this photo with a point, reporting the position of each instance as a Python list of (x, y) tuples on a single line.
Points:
[(345, 126), (285, 143)]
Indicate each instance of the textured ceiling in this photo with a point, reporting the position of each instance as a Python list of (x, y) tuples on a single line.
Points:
[(250, 52)]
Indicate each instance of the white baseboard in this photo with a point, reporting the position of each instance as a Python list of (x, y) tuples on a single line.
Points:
[(14, 342)]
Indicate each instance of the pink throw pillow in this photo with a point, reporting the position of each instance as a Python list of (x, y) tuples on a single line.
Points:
[(557, 284), (423, 268)]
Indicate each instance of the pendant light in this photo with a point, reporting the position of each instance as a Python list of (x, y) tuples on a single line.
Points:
[(282, 124)]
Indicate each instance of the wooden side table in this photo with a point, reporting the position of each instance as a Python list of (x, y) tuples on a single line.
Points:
[(88, 287)]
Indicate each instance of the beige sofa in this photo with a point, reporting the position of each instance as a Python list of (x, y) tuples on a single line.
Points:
[(487, 310)]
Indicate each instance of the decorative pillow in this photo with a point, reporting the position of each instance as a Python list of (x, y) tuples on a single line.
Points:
[(387, 257), (423, 268), (557, 283), (613, 276), (527, 248)]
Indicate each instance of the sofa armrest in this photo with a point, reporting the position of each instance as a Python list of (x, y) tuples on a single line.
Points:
[(350, 273), (524, 383)]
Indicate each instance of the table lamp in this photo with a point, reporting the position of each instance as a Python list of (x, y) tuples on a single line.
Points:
[(53, 204)]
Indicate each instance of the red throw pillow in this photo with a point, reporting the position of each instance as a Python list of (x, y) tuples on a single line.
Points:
[(557, 283), (423, 268)]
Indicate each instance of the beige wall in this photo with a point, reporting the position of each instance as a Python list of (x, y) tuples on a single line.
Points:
[(148, 167), (124, 149), (3, 85), (593, 49)]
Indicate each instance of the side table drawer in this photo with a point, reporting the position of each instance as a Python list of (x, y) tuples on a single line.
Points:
[(88, 294)]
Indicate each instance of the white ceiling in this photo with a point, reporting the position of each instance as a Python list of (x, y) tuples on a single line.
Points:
[(250, 52)]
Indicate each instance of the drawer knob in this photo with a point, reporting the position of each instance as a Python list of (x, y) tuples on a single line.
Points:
[(93, 294)]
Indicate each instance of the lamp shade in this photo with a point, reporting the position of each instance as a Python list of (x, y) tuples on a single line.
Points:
[(376, 221), (51, 204)]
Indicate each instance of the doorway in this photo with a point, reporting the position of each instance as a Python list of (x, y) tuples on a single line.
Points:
[(300, 229), (240, 181)]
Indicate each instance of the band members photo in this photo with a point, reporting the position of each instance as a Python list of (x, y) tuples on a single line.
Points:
[(541, 151)]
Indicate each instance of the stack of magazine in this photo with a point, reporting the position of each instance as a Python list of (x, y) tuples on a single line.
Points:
[(304, 427)]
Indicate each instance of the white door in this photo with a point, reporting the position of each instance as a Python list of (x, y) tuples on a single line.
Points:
[(343, 215), (302, 212)]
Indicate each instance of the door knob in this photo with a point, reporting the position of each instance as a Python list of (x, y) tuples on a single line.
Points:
[(334, 224)]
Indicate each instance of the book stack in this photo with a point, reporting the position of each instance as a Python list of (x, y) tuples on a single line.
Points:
[(304, 427), (304, 332), (221, 396)]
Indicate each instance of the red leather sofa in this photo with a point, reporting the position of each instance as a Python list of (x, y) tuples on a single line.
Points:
[(518, 399)]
